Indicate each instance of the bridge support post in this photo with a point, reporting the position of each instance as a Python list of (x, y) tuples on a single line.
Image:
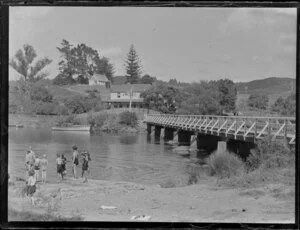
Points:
[(169, 134), (162, 133), (193, 142), (184, 137), (208, 143), (157, 131), (149, 128), (242, 148)]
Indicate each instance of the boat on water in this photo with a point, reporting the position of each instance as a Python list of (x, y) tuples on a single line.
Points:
[(85, 128), (16, 125)]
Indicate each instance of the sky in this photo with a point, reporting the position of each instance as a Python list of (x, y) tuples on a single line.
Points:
[(189, 44)]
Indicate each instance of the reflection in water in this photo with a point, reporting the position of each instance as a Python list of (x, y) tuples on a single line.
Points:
[(127, 157), (128, 139)]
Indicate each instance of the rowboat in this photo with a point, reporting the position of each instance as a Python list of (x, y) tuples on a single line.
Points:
[(16, 126), (85, 128)]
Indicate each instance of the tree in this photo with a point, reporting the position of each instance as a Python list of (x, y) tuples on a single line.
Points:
[(23, 64), (83, 61), (228, 93), (147, 79), (40, 93), (258, 101), (64, 79), (285, 107), (161, 97), (133, 66)]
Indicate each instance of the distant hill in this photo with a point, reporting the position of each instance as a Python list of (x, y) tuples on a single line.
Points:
[(273, 87), (268, 86)]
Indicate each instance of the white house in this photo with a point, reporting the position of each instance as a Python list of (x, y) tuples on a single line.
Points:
[(98, 79), (121, 95)]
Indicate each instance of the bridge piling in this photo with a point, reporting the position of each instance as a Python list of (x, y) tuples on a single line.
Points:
[(157, 131), (169, 134), (184, 137), (149, 128)]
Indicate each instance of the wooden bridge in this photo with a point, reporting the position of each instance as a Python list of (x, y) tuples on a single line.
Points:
[(243, 128)]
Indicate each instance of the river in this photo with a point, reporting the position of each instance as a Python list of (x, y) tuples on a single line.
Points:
[(126, 157)]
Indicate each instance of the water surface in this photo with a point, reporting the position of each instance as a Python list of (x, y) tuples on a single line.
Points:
[(127, 157)]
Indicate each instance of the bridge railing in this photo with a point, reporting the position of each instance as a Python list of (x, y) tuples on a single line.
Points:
[(247, 126)]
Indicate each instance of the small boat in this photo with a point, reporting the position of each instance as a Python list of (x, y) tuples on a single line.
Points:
[(85, 128), (16, 126)]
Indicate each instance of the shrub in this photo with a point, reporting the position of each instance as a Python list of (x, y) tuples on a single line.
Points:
[(76, 105), (40, 93), (70, 120), (270, 155), (128, 118), (61, 110), (258, 101), (44, 108), (224, 164), (96, 119)]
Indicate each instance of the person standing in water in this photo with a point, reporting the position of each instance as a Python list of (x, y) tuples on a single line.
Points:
[(75, 160), (37, 167), (59, 166), (64, 162), (85, 166), (44, 164)]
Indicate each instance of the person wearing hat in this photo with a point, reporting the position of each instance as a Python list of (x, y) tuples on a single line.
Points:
[(75, 160)]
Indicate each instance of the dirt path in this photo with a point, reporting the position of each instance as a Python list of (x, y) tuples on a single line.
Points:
[(195, 203)]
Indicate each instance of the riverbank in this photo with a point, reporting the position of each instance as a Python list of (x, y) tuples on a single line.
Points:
[(100, 200), (36, 121)]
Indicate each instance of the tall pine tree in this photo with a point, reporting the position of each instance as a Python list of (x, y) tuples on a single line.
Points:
[(133, 66)]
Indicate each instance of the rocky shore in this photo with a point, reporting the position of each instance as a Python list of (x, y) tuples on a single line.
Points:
[(100, 200)]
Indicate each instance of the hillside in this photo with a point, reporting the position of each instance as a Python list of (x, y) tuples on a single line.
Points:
[(268, 86)]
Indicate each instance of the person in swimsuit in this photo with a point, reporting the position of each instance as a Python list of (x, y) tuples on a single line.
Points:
[(59, 166), (44, 164), (27, 164), (64, 162), (75, 160), (37, 167), (31, 186), (85, 167)]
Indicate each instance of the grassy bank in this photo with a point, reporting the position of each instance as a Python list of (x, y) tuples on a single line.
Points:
[(267, 164)]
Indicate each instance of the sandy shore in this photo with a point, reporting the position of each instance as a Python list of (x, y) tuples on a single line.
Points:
[(120, 201)]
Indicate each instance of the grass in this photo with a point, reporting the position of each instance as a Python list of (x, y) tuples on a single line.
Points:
[(15, 215)]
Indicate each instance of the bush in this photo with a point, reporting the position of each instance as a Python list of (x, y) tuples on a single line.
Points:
[(258, 101), (76, 105), (40, 93), (44, 108), (270, 155), (224, 164), (70, 120), (61, 110), (128, 118), (96, 119)]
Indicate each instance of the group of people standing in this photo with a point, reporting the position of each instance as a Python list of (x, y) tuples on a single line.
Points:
[(35, 164), (61, 161)]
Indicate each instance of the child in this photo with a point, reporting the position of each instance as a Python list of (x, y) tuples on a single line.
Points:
[(64, 162), (59, 166), (37, 167), (44, 164), (85, 166), (75, 160), (30, 186)]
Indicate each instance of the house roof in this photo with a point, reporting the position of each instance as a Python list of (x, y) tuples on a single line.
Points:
[(99, 77), (119, 80), (123, 100), (127, 87)]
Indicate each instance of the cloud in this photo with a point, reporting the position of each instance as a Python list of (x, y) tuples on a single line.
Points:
[(29, 12), (111, 52)]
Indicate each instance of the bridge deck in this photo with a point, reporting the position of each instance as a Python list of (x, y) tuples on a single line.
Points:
[(236, 127)]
